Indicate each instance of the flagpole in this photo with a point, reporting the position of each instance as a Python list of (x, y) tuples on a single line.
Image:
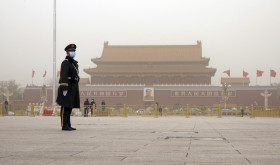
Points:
[(54, 51), (243, 76), (33, 73), (257, 78), (229, 77), (270, 76)]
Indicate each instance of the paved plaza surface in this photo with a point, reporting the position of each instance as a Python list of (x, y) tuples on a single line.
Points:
[(140, 141)]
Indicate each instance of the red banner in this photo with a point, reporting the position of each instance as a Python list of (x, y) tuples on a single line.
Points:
[(200, 93), (33, 73), (58, 73), (272, 73), (227, 72), (245, 74), (259, 73), (45, 74), (103, 93)]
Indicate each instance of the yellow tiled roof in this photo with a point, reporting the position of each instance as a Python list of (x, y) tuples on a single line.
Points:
[(153, 53)]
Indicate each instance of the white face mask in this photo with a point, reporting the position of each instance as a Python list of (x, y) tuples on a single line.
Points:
[(72, 54)]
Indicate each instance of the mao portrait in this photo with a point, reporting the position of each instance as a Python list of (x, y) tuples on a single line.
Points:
[(148, 94)]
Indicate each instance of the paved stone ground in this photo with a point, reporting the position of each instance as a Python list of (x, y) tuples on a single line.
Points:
[(140, 141)]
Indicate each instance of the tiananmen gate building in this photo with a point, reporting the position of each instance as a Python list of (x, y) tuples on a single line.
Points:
[(168, 74)]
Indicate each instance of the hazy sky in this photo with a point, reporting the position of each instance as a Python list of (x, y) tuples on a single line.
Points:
[(235, 34)]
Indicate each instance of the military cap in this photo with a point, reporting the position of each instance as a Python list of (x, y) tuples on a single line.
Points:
[(70, 47)]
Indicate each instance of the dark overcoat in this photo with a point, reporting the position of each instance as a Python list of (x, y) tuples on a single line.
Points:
[(69, 80)]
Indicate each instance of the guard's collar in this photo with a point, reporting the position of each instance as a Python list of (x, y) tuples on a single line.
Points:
[(71, 60)]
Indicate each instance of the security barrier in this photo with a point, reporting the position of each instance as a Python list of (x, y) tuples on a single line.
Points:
[(187, 111), (219, 112), (252, 112), (93, 111), (152, 110), (32, 111), (271, 111), (12, 110), (124, 111), (158, 111)]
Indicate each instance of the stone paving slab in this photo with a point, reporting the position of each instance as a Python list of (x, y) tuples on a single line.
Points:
[(140, 141)]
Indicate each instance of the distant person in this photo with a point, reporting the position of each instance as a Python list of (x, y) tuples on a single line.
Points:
[(6, 105), (91, 107), (148, 95), (86, 107), (160, 110), (68, 95), (103, 105)]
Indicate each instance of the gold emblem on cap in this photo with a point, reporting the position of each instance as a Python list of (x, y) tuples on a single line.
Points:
[(72, 46)]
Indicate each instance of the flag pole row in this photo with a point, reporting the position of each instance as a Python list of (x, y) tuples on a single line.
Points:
[(259, 73), (45, 73)]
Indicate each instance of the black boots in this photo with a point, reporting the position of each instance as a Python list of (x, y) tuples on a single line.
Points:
[(73, 128), (66, 128), (65, 119)]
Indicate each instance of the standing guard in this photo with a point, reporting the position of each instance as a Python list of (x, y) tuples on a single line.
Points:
[(86, 107), (68, 92), (103, 105)]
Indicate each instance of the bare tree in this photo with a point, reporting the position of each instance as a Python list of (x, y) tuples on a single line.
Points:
[(10, 88)]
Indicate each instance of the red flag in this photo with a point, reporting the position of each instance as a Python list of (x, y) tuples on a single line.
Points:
[(245, 74), (272, 73), (58, 73), (259, 73), (227, 72), (45, 74), (33, 73)]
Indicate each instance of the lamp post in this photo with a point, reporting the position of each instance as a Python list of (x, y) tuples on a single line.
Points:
[(265, 94), (225, 93)]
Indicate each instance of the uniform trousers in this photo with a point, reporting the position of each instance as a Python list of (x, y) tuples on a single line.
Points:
[(65, 114), (86, 111)]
